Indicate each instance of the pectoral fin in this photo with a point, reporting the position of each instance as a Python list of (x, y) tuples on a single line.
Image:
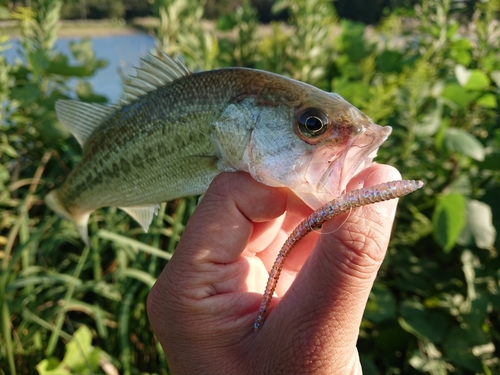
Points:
[(142, 214)]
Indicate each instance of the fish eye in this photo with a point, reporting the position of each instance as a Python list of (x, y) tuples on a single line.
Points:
[(312, 122)]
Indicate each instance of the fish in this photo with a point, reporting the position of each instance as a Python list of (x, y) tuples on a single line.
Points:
[(174, 131)]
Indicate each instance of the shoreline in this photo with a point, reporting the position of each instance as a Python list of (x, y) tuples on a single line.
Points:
[(87, 28), (106, 27)]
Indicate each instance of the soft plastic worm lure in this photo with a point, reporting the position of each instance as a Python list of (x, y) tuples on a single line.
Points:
[(343, 203)]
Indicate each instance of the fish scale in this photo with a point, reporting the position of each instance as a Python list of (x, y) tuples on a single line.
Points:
[(175, 131)]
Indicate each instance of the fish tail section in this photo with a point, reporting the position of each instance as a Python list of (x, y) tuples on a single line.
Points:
[(52, 200)]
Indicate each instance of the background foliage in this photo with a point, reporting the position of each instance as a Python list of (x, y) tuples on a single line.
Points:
[(432, 73)]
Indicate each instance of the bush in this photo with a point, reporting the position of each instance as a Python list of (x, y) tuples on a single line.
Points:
[(429, 74)]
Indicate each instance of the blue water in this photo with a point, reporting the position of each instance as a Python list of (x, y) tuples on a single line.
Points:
[(122, 53)]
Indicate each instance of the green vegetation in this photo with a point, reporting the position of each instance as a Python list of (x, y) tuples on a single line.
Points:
[(356, 10), (431, 73)]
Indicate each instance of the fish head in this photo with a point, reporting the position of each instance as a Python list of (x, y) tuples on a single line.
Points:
[(329, 141), (344, 141)]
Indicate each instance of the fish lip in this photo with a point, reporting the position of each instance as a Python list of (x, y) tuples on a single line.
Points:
[(357, 155)]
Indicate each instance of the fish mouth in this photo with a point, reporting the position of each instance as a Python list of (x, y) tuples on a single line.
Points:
[(355, 157)]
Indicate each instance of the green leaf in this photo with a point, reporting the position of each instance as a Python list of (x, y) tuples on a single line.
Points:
[(487, 101), (457, 140), (461, 56), (495, 76), (452, 29), (80, 355), (27, 94), (145, 277), (8, 150), (471, 79), (421, 322), (82, 51), (226, 22), (477, 81), (353, 42), (458, 346), (463, 74), (368, 365), (424, 364), (381, 304), (4, 13), (354, 92), (38, 61), (52, 366), (60, 65), (478, 229), (4, 174), (389, 61), (85, 93), (430, 122), (448, 220), (459, 95), (491, 161)]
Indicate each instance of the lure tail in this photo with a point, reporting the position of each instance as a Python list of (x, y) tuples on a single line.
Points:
[(341, 204)]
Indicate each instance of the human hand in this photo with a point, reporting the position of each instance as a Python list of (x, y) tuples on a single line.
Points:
[(203, 306)]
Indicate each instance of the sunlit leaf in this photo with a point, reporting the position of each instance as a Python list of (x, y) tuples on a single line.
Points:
[(464, 143), (448, 220), (428, 364), (495, 76), (477, 81), (460, 51), (463, 74), (478, 229), (52, 366), (8, 150), (488, 101), (471, 79), (80, 354)]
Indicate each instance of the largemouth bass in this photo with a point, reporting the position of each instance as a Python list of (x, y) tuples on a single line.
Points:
[(176, 130)]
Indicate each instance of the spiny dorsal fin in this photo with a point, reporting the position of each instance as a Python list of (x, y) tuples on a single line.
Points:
[(81, 118), (152, 74), (142, 214)]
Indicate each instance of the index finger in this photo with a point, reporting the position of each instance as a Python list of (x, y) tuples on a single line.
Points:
[(219, 229)]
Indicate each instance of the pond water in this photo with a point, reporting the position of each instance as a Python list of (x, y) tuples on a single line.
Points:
[(123, 53)]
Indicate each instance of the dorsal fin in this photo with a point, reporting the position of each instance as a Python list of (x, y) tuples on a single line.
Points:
[(152, 74), (142, 214), (81, 118)]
